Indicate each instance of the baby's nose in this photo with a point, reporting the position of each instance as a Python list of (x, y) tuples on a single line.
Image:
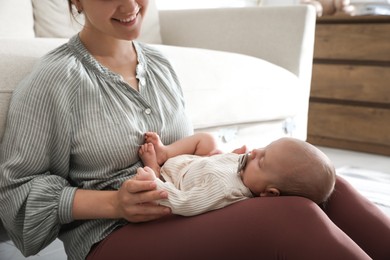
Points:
[(256, 152)]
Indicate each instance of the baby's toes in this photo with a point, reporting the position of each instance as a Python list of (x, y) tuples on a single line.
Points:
[(149, 148)]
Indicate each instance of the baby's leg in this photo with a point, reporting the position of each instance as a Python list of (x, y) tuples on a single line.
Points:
[(160, 149), (148, 156)]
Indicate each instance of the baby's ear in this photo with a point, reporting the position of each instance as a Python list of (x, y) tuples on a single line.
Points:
[(270, 192)]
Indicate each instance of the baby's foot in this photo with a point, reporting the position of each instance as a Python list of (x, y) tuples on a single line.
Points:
[(159, 147), (145, 174), (148, 156)]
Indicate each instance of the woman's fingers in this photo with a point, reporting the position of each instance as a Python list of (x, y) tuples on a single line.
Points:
[(146, 212), (134, 186), (138, 201)]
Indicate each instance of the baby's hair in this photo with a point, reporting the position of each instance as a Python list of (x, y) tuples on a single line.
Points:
[(312, 177), (319, 193)]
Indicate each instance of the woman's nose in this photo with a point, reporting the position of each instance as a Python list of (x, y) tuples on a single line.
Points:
[(129, 6)]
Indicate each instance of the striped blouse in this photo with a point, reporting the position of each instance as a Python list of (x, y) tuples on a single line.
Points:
[(73, 123), (199, 184)]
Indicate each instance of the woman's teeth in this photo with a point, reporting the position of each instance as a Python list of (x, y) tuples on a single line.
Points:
[(131, 18), (128, 19)]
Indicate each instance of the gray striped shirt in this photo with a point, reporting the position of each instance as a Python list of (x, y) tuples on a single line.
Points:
[(73, 123)]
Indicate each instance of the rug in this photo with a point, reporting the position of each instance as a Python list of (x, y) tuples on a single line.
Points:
[(374, 185)]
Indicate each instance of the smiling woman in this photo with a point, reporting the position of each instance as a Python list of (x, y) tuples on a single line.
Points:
[(74, 127)]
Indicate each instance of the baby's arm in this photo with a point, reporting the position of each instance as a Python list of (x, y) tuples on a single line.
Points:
[(145, 174), (243, 149), (202, 144), (197, 200)]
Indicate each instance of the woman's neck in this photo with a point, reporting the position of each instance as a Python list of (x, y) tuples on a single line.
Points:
[(117, 55), (105, 46)]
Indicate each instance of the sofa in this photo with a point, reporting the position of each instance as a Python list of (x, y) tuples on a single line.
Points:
[(245, 72)]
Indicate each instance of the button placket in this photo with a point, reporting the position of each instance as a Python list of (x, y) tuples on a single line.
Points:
[(148, 111)]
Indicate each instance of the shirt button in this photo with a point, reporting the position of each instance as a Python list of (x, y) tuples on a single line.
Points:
[(148, 111)]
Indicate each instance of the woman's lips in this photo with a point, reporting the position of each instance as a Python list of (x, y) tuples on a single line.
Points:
[(128, 20)]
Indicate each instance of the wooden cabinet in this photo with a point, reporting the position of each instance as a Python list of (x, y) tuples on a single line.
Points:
[(350, 91)]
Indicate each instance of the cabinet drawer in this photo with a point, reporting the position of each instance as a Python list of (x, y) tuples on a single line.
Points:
[(350, 123), (351, 82), (353, 41)]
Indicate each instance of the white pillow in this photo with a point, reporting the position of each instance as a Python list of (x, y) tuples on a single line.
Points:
[(16, 19), (223, 88), (53, 20), (17, 59), (150, 31)]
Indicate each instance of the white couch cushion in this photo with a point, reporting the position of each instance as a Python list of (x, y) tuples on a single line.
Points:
[(221, 89), (52, 19), (225, 89), (16, 19), (150, 32), (17, 59)]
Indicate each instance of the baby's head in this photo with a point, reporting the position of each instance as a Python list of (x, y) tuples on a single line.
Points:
[(289, 167)]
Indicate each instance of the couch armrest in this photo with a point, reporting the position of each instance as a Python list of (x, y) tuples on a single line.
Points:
[(282, 35)]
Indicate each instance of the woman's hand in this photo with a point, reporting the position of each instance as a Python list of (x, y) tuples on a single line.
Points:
[(137, 200)]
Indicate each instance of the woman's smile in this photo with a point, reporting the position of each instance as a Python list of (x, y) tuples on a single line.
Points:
[(129, 20)]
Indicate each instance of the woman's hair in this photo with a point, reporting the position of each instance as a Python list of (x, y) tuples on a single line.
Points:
[(70, 6), (74, 13)]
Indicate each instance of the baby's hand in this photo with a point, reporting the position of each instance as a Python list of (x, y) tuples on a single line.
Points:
[(145, 174), (243, 149)]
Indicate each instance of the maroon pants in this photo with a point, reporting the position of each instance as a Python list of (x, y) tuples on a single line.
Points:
[(349, 227)]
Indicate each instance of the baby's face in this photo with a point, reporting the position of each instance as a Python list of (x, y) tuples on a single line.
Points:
[(265, 167)]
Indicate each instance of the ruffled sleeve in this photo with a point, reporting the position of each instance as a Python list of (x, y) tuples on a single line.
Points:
[(35, 194)]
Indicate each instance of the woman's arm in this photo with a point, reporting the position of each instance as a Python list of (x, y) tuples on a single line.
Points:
[(35, 195), (132, 202)]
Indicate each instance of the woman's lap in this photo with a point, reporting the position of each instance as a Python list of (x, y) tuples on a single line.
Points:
[(271, 228), (360, 219)]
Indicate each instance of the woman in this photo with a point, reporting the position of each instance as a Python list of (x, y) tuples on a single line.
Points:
[(70, 151), (76, 122)]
